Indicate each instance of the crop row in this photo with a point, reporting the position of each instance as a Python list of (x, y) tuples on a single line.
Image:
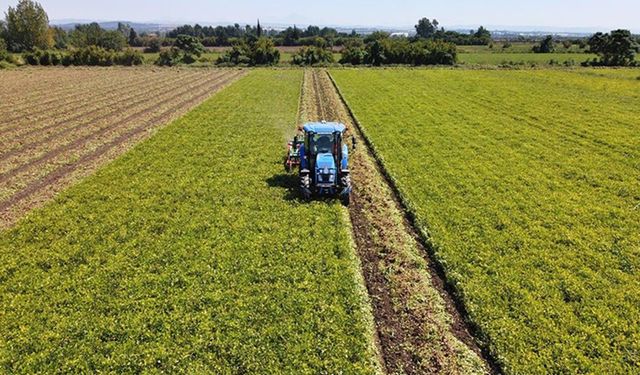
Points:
[(525, 185)]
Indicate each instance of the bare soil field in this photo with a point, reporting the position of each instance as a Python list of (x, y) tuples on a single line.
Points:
[(57, 125)]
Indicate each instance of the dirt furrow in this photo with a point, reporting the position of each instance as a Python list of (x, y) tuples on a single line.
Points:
[(24, 85), (39, 192), (21, 106), (61, 104), (420, 330), (140, 97), (67, 93), (96, 135), (32, 76)]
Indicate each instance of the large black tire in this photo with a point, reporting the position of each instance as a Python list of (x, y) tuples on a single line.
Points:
[(305, 186), (346, 200)]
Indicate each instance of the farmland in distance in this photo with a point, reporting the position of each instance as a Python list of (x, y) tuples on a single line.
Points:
[(525, 183)]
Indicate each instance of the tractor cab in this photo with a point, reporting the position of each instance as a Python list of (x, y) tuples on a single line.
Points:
[(324, 161)]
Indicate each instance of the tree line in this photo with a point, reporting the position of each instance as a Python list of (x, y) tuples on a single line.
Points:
[(26, 29)]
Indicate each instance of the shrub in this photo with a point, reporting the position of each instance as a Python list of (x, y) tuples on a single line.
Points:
[(93, 35), (154, 45), (130, 57), (312, 56), (169, 57), (186, 50), (353, 53), (545, 46), (4, 55), (390, 51), (91, 56), (617, 48), (43, 57), (261, 51), (190, 47), (31, 58), (264, 52), (237, 55)]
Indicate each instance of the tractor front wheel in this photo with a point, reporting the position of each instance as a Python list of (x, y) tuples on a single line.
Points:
[(346, 200)]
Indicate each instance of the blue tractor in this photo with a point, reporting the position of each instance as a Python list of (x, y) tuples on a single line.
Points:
[(324, 162)]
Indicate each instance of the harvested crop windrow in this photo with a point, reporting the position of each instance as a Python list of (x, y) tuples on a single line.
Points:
[(419, 330), (41, 158), (26, 110), (119, 100), (189, 254), (63, 130), (525, 185), (34, 102), (25, 82)]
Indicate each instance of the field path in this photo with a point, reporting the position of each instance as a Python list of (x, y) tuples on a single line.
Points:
[(48, 146), (418, 327)]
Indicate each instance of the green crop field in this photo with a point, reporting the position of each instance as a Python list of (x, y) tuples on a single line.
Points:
[(516, 47), (496, 58), (188, 254), (527, 185)]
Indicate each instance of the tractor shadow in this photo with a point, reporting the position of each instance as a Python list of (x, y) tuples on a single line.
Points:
[(290, 183)]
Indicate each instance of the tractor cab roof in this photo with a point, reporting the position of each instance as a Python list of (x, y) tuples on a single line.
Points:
[(324, 127)]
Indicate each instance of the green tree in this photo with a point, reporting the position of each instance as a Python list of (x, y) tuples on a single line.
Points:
[(3, 30), (426, 28), (264, 52), (153, 46), (60, 37), (94, 35), (113, 41), (545, 46), (28, 27), (312, 56), (124, 29), (133, 37), (617, 48), (482, 35), (353, 52), (375, 53), (376, 35), (3, 50), (190, 47)]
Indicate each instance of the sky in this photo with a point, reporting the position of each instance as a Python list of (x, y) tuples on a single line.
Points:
[(389, 13)]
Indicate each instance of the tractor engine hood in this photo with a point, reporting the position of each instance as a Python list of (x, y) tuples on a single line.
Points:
[(326, 174), (325, 162)]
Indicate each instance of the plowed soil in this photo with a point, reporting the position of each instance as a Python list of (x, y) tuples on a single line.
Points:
[(58, 125)]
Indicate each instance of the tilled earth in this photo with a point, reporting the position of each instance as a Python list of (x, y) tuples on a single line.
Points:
[(419, 329), (58, 125)]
